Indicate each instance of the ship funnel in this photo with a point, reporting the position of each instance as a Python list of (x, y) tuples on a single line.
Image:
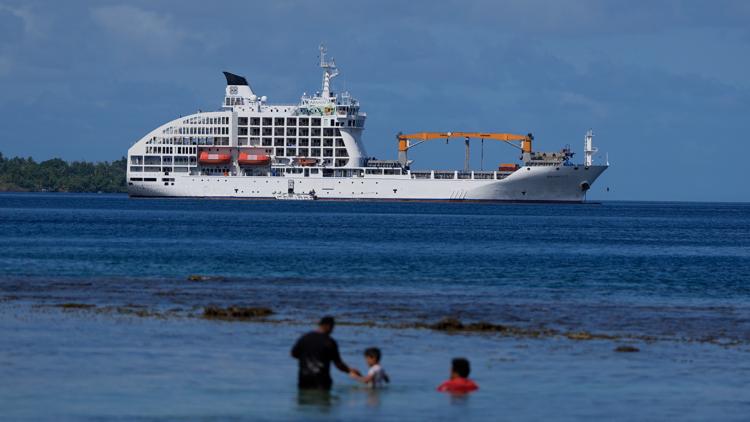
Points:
[(237, 86), (233, 79)]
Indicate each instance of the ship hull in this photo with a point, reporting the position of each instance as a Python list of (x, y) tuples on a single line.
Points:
[(528, 184)]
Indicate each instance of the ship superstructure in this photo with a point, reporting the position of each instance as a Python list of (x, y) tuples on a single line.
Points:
[(253, 149)]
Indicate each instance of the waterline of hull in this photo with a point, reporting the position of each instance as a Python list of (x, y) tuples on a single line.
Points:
[(529, 184)]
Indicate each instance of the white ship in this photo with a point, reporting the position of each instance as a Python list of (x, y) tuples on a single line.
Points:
[(314, 150)]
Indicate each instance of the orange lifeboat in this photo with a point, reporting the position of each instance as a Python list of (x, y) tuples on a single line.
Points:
[(304, 161), (213, 158), (246, 159)]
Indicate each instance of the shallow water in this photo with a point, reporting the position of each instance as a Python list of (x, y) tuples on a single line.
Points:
[(670, 278)]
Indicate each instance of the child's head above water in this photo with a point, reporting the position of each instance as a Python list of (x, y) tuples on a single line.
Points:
[(460, 367), (372, 356)]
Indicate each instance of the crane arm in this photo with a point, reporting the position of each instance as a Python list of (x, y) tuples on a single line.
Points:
[(404, 145)]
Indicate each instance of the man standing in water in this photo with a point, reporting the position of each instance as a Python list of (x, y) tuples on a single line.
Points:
[(315, 351)]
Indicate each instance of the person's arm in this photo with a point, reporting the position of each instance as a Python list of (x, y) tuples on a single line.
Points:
[(363, 379), (336, 358), (295, 350)]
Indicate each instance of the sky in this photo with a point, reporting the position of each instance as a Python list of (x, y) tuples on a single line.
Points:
[(665, 85)]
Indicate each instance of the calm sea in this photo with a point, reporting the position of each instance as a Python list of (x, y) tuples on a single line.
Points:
[(670, 279)]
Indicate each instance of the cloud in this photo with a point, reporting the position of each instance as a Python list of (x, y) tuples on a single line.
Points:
[(588, 17), (32, 25), (157, 33), (575, 99)]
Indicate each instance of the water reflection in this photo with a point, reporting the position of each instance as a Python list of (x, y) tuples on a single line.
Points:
[(460, 399), (373, 398), (320, 400)]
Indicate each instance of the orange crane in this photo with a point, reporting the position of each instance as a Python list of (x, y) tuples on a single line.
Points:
[(404, 141)]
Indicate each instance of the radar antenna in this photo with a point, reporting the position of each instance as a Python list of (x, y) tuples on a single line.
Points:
[(329, 71)]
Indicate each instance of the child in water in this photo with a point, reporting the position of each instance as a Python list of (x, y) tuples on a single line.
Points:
[(376, 376), (459, 382)]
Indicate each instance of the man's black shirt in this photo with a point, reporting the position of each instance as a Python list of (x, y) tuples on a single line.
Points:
[(315, 352)]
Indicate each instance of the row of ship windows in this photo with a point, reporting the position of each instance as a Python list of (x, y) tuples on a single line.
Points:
[(158, 169), (166, 159), (198, 130), (291, 142), (256, 123), (253, 130), (312, 152), (192, 140), (153, 145), (202, 120), (171, 150), (279, 121), (290, 131), (301, 122)]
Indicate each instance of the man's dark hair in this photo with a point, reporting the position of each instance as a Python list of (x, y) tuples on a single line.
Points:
[(461, 367), (373, 352), (327, 320)]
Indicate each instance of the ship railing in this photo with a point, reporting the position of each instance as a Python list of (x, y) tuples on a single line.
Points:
[(444, 175), (454, 175), (482, 175)]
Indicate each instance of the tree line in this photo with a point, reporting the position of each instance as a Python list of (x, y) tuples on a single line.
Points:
[(57, 175)]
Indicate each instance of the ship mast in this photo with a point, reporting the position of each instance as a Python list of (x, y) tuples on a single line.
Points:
[(588, 148), (329, 71)]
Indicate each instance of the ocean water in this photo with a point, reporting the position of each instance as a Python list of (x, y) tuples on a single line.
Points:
[(570, 284)]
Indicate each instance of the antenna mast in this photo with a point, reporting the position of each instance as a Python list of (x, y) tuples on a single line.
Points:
[(588, 148), (329, 71)]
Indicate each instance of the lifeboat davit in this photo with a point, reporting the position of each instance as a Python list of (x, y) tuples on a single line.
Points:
[(210, 158), (246, 159), (307, 161)]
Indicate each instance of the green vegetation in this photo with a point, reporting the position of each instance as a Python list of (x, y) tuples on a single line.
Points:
[(56, 175)]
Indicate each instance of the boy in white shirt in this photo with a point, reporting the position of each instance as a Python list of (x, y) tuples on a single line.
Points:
[(376, 376)]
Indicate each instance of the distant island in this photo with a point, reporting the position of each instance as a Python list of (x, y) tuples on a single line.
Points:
[(56, 175)]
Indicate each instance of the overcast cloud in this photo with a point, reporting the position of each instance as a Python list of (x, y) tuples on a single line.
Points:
[(664, 85)]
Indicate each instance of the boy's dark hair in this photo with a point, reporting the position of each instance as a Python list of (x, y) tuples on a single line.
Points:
[(462, 367), (373, 352), (327, 320)]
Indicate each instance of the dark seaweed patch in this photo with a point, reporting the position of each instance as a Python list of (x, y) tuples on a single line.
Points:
[(75, 306), (198, 277), (235, 312), (454, 325)]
